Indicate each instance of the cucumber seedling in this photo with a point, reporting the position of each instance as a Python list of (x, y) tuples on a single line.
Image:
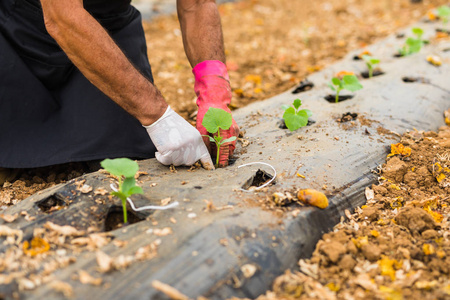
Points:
[(124, 169), (413, 45), (370, 62), (214, 120), (294, 118), (348, 82), (443, 13)]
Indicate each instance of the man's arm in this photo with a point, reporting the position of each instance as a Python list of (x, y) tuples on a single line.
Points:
[(203, 43), (201, 30), (101, 61)]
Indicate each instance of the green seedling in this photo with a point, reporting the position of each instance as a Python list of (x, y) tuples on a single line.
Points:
[(294, 118), (348, 82), (370, 62), (214, 120), (124, 169), (413, 45), (443, 13)]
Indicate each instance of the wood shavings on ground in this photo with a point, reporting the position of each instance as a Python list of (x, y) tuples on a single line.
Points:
[(86, 278), (169, 291)]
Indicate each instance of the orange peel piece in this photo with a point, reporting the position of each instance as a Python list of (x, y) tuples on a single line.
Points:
[(313, 197), (37, 246), (365, 52), (434, 60), (431, 15), (343, 73), (400, 149)]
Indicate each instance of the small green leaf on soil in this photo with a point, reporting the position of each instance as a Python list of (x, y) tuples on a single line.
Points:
[(295, 121)]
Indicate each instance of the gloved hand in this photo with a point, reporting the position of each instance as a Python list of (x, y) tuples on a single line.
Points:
[(212, 86), (178, 142)]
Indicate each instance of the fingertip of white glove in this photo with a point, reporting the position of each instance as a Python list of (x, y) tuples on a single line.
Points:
[(207, 162), (165, 159)]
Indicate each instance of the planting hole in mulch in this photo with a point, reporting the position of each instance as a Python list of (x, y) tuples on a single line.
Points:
[(52, 203), (443, 30), (282, 125), (232, 161), (303, 86), (348, 116), (365, 75), (409, 79), (332, 98), (257, 180), (114, 218)]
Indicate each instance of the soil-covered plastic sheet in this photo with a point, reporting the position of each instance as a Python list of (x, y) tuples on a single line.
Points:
[(396, 246)]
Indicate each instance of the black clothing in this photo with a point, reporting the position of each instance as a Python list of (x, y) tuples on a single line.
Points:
[(49, 112), (106, 7)]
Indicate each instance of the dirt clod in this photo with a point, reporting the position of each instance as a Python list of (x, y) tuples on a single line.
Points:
[(395, 169), (415, 219), (333, 251)]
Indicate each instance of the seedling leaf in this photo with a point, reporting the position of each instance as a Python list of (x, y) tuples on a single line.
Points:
[(216, 118), (123, 167), (293, 118), (118, 195), (308, 112), (332, 87), (413, 45), (444, 13), (336, 81), (127, 184), (351, 83), (295, 121), (370, 60), (135, 190), (233, 138), (284, 107), (297, 103), (120, 166), (303, 114), (418, 32)]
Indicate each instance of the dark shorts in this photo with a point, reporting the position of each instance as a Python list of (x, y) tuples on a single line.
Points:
[(49, 112)]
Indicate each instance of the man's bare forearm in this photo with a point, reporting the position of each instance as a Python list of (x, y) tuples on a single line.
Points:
[(101, 61), (201, 29)]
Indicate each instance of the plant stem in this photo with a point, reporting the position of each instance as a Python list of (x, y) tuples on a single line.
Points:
[(337, 94), (218, 147), (124, 207), (370, 72)]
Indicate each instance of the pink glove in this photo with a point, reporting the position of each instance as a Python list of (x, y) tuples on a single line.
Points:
[(212, 86)]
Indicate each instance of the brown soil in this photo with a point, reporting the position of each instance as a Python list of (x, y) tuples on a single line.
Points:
[(272, 45), (397, 246), (31, 181)]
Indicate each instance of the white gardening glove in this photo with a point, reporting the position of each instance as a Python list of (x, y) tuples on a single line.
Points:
[(178, 142)]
